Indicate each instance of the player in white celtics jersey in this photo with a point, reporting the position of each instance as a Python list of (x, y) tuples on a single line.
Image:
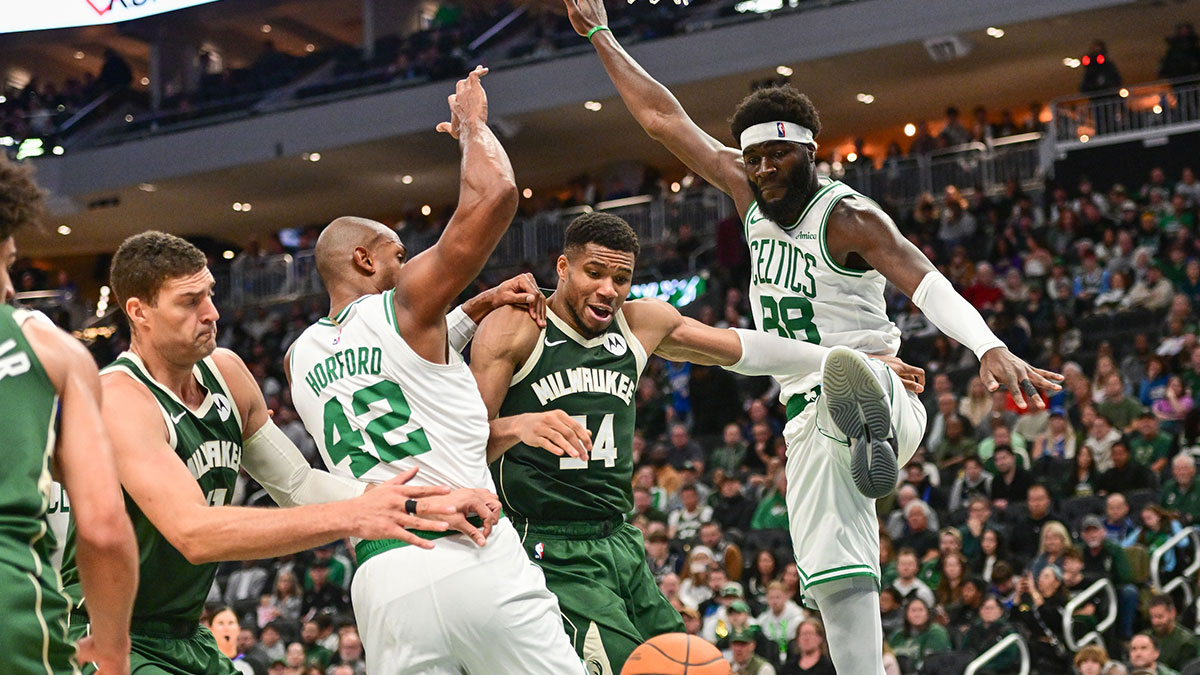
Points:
[(184, 417), (382, 389), (820, 256), (542, 385)]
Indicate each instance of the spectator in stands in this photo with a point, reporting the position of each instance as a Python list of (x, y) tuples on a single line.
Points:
[(891, 609), (286, 603), (958, 225), (920, 636), (1120, 408), (992, 550), (1027, 529), (643, 507), (742, 657), (986, 630), (781, 620), (984, 293), (684, 449), (1158, 526), (1082, 478), (1150, 447), (920, 537), (1004, 584), (1102, 435), (1011, 483), (812, 654), (974, 480), (1125, 475), (724, 553), (953, 133), (730, 456), (314, 653), (1103, 558), (659, 557), (716, 622), (1054, 445), (1182, 493), (1055, 541), (952, 573), (907, 584), (1153, 293), (1182, 58), (683, 524), (694, 590), (350, 653), (1091, 660), (1153, 383), (1176, 646), (1040, 611), (771, 513), (1144, 655), (979, 519), (1119, 527), (1175, 404), (759, 580), (923, 142)]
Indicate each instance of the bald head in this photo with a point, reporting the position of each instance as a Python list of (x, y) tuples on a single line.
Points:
[(347, 250)]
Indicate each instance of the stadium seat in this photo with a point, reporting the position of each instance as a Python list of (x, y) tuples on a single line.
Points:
[(1074, 509), (1190, 668), (1138, 499)]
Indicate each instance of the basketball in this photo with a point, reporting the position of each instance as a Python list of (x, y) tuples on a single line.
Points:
[(676, 654)]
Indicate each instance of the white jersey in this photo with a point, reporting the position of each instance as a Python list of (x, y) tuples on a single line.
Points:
[(798, 291), (376, 408)]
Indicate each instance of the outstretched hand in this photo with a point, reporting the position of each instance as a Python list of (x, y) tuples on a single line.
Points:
[(521, 290), (468, 103), (1000, 367), (586, 14)]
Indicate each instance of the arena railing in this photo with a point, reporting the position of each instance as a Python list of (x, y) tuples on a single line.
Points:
[(281, 278), (1096, 635), (1188, 574), (996, 649), (1141, 111)]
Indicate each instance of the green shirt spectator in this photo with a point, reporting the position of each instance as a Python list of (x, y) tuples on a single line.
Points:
[(1176, 646), (1150, 447), (771, 513), (1183, 494), (920, 636), (1120, 409)]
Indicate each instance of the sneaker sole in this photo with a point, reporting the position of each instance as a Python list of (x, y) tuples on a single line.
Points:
[(859, 407)]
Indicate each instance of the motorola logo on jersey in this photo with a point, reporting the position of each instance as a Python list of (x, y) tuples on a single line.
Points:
[(222, 405), (615, 343)]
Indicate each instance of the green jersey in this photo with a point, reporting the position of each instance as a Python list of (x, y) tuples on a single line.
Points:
[(593, 380), (30, 405), (209, 442)]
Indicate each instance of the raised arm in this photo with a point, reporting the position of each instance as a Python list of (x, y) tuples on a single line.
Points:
[(106, 549), (658, 111), (860, 232), (505, 339), (486, 204)]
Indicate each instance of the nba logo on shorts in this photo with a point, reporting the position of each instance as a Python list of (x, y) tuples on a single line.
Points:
[(779, 127), (538, 549)]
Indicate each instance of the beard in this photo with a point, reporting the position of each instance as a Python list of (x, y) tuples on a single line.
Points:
[(786, 210)]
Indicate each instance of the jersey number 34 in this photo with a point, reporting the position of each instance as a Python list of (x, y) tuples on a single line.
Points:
[(604, 447)]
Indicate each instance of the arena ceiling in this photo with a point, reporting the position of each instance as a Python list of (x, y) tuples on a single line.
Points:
[(549, 147)]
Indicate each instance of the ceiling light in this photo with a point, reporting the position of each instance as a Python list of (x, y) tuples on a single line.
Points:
[(266, 28), (145, 81), (228, 255), (910, 130), (784, 71), (426, 210), (3, 99), (311, 156), (79, 56), (594, 106), (1157, 109), (310, 48), (246, 206), (406, 179), (58, 150), (237, 206), (147, 187), (1124, 93), (865, 99), (526, 193), (128, 118), (1084, 138), (852, 157), (64, 230), (675, 187), (1070, 62), (995, 32)]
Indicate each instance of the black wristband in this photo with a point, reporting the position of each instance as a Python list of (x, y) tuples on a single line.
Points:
[(410, 507)]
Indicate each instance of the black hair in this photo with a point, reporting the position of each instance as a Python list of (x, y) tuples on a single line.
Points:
[(775, 104), (604, 229)]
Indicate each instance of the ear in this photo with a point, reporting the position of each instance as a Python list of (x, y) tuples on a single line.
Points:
[(363, 261), (562, 266)]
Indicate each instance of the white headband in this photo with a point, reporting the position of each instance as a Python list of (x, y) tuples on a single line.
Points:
[(776, 131)]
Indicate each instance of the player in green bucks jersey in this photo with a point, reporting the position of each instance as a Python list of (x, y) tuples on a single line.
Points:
[(184, 417), (48, 382), (561, 402)]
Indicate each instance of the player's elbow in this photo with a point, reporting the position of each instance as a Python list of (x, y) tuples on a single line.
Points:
[(106, 536), (500, 196)]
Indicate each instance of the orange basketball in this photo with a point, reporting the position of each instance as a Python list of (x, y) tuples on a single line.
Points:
[(676, 654)]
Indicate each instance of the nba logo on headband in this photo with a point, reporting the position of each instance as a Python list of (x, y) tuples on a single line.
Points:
[(782, 132)]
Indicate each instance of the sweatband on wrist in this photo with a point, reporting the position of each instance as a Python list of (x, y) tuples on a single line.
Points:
[(271, 458), (766, 354), (775, 131), (459, 328), (597, 29), (953, 315)]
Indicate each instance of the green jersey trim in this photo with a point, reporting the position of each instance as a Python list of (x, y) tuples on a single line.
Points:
[(753, 209), (341, 316), (818, 195), (833, 265), (532, 360)]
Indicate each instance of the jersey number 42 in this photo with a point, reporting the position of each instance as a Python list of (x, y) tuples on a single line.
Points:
[(342, 440), (604, 447)]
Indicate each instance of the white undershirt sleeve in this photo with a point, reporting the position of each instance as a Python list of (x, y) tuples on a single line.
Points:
[(271, 458), (766, 354), (953, 315), (459, 329)]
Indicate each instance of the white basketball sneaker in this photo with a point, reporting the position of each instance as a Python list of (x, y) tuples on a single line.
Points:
[(857, 397)]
